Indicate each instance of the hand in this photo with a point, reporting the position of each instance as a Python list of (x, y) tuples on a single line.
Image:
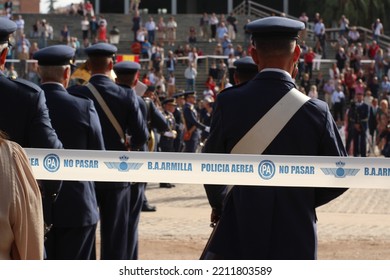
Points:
[(207, 129), (168, 134), (214, 217), (174, 132), (357, 127)]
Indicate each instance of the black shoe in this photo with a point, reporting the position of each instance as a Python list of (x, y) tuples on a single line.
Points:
[(165, 185), (146, 207)]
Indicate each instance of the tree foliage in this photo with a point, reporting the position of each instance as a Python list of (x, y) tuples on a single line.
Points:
[(359, 12)]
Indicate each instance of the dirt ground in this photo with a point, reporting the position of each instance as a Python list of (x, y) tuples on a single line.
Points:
[(355, 226), (154, 249)]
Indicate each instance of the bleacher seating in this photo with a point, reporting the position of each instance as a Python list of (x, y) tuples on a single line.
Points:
[(124, 24)]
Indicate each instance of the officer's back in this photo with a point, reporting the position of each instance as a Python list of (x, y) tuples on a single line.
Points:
[(123, 105), (23, 112), (77, 124), (24, 116)]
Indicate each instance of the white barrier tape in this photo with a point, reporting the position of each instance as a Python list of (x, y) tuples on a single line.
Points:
[(265, 170)]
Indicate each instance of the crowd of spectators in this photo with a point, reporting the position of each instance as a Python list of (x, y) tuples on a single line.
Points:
[(354, 85), (359, 65)]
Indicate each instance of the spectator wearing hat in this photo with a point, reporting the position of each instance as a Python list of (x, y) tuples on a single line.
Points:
[(285, 226), (113, 197), (75, 214)]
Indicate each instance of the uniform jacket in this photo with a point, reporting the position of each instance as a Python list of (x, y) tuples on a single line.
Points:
[(191, 118), (270, 222), (25, 118), (77, 125), (28, 123), (124, 106)]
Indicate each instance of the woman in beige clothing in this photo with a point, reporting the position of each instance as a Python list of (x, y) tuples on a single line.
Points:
[(21, 218)]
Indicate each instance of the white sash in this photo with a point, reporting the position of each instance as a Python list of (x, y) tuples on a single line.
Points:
[(258, 138)]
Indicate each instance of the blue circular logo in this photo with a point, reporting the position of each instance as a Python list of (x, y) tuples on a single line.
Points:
[(266, 169), (340, 172), (123, 166), (51, 162)]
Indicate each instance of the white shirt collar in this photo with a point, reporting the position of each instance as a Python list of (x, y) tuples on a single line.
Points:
[(53, 83), (276, 70)]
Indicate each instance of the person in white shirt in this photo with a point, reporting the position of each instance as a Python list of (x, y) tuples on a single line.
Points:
[(85, 27), (377, 29), (338, 101), (19, 26), (171, 31), (213, 21), (319, 31), (353, 35), (190, 74), (151, 28)]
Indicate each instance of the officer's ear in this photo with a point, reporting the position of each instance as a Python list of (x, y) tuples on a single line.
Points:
[(254, 55), (135, 82), (66, 74), (297, 53), (3, 56), (235, 78), (110, 65)]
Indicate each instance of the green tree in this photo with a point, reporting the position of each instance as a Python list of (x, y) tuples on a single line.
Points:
[(359, 12)]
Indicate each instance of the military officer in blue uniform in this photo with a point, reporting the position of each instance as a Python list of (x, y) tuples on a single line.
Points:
[(75, 213), (168, 137), (192, 123), (245, 70), (127, 77), (178, 114), (113, 197), (24, 116), (359, 120), (271, 222)]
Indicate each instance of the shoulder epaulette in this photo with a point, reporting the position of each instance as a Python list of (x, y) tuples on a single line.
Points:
[(233, 87), (25, 83), (79, 95)]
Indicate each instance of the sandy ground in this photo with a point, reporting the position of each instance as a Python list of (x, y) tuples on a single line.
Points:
[(355, 226)]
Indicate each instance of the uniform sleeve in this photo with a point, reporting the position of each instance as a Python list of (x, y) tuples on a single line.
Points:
[(214, 144), (27, 210), (158, 120), (42, 134), (95, 136), (191, 120), (136, 123)]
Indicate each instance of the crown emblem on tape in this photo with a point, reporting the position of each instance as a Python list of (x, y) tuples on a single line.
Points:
[(124, 158), (340, 164)]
